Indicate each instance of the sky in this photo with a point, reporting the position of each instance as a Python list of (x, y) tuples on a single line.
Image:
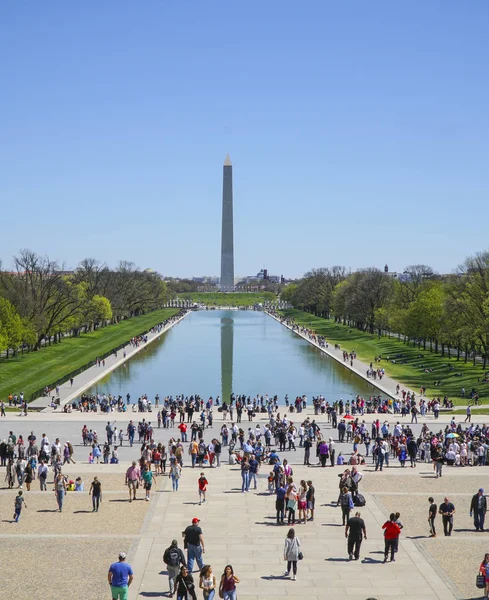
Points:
[(358, 132)]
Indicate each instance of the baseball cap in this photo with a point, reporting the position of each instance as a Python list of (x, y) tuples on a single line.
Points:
[(195, 520), (122, 555), (481, 490)]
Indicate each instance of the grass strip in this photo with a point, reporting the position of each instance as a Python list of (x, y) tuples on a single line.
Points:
[(31, 372), (414, 367)]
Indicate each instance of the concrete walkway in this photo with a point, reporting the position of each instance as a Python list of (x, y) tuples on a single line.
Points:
[(90, 376), (239, 529)]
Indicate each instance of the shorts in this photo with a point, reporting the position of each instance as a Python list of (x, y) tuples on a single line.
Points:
[(133, 484), (147, 486), (310, 504), (119, 593), (302, 505), (202, 492)]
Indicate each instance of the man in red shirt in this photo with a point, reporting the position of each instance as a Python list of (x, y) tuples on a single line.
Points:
[(183, 431), (391, 536), (203, 483)]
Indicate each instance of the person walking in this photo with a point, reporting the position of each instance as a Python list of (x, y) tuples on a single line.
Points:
[(484, 571), (478, 508), (133, 475), (391, 536), (280, 492), (19, 502), (185, 585), (60, 490), (207, 582), (292, 549), (355, 531), (194, 542), (174, 558), (332, 452), (346, 502), (203, 483), (245, 475), (311, 500), (432, 516), (148, 482), (96, 492), (174, 474), (447, 510), (227, 586), (120, 577)]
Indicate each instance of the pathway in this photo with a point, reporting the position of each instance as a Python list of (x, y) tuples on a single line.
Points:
[(386, 385), (90, 376), (239, 528)]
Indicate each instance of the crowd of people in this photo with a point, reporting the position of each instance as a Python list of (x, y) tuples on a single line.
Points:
[(198, 444)]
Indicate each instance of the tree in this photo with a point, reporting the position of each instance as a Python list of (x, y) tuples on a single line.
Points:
[(11, 327)]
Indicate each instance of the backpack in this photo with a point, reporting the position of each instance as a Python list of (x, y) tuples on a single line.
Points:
[(359, 500), (173, 557)]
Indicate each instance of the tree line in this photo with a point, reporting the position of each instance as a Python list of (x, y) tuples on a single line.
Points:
[(40, 301), (447, 313)]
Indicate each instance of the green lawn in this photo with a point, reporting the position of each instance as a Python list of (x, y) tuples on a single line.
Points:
[(228, 298), (31, 372), (408, 369)]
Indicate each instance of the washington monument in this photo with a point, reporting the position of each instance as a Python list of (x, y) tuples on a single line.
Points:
[(227, 238)]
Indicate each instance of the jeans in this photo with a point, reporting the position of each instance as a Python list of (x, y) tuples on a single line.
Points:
[(184, 436), (209, 594), (390, 545), (131, 440), (252, 478), (60, 496), (292, 564), (354, 545), (194, 553), (280, 507), (479, 517), (95, 501), (174, 483), (172, 575), (379, 460), (438, 467), (345, 511), (447, 524), (246, 481), (432, 525)]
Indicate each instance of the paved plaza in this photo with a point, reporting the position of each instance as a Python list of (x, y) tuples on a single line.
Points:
[(239, 528)]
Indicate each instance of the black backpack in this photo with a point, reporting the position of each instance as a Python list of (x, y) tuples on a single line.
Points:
[(173, 557), (359, 500)]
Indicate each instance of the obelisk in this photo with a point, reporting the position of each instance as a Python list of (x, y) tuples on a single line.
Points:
[(227, 237)]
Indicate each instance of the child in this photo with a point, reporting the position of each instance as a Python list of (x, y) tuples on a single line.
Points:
[(90, 459), (203, 483), (271, 483), (19, 501)]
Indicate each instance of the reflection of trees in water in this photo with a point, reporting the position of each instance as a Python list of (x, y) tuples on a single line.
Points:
[(114, 383), (227, 342), (340, 379)]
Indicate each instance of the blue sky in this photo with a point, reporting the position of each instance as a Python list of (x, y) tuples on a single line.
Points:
[(359, 132)]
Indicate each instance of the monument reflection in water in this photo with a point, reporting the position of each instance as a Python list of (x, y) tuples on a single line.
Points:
[(218, 352), (227, 343)]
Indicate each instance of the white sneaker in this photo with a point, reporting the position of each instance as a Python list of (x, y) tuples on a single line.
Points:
[(294, 578)]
